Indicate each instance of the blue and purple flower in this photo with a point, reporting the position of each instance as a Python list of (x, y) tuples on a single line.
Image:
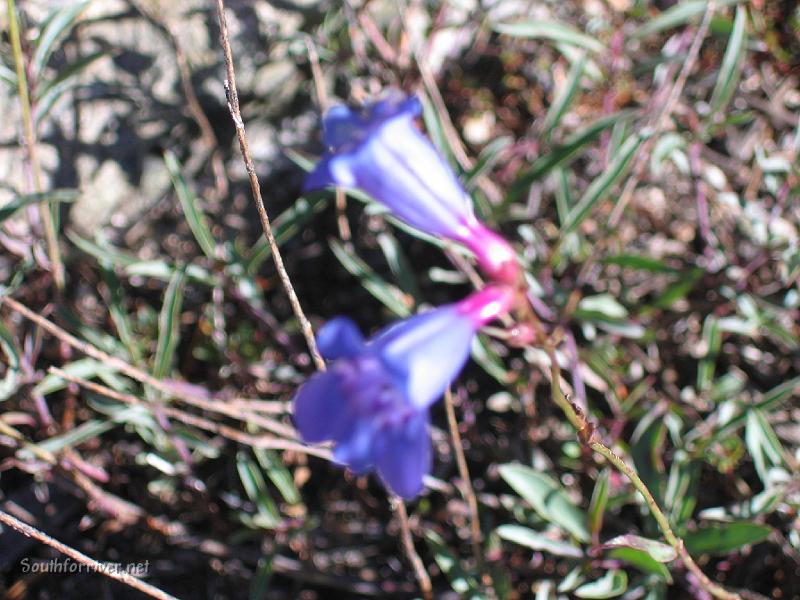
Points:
[(373, 400), (380, 150)]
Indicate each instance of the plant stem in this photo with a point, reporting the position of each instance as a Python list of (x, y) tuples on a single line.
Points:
[(468, 491), (233, 107), (29, 133), (92, 564), (423, 579), (588, 436)]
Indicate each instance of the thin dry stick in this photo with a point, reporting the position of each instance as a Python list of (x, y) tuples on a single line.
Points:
[(80, 557), (30, 143), (236, 115), (469, 492), (139, 375), (666, 110), (270, 442), (423, 578), (588, 436)]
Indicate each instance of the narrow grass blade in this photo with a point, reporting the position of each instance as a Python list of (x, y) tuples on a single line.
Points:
[(255, 486), (169, 324), (601, 185), (194, 215), (8, 384), (58, 24), (285, 227), (678, 15), (550, 30), (399, 265), (389, 295), (731, 70), (563, 154), (23, 200), (565, 96)]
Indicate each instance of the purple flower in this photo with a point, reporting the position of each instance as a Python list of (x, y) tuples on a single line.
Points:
[(373, 400), (380, 150)]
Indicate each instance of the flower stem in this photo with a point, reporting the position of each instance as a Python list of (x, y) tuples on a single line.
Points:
[(588, 436), (29, 133), (236, 114), (469, 493), (423, 579)]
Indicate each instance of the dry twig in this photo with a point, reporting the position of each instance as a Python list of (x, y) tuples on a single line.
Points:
[(255, 187), (91, 563)]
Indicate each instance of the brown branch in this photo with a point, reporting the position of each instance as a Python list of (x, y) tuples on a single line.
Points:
[(468, 491), (80, 557), (421, 574), (233, 106), (145, 378), (270, 442)]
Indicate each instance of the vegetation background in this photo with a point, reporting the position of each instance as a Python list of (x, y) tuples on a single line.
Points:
[(642, 155)]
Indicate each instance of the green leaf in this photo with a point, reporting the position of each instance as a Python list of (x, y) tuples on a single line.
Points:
[(194, 215), (8, 76), (642, 263), (722, 539), (8, 384), (461, 582), (103, 252), (489, 360), (731, 69), (58, 23), (66, 76), (84, 368), (169, 324), (712, 340), (680, 288), (87, 430), (547, 498), (599, 501), (22, 200), (642, 561), (255, 486), (488, 158), (398, 263), (119, 316), (603, 306), (390, 296), (536, 540), (659, 551), (278, 474), (612, 584), (563, 154), (762, 444), (551, 30), (285, 226), (565, 96), (679, 14), (601, 185)]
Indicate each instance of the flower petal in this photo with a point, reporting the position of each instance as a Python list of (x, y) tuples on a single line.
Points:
[(330, 171), (320, 410), (403, 455), (339, 126), (339, 338), (355, 450), (427, 351), (399, 167)]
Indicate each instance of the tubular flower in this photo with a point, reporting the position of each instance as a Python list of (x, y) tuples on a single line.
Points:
[(380, 150), (373, 400)]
